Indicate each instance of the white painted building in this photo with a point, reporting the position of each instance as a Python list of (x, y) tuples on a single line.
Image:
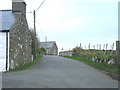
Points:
[(15, 37), (4, 51)]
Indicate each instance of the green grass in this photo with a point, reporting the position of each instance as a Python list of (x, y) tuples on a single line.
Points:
[(97, 54), (35, 61), (103, 65)]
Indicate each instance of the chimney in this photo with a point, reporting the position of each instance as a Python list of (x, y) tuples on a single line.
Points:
[(19, 6)]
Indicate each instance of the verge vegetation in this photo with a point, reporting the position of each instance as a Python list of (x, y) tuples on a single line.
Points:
[(112, 70), (103, 66)]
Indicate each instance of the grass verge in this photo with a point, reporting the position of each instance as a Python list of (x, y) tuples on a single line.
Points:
[(35, 61), (103, 66)]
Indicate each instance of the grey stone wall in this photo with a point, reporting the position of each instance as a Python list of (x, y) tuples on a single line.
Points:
[(20, 44), (18, 6), (53, 50)]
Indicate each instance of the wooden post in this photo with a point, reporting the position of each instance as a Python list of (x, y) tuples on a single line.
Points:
[(94, 48), (34, 35), (113, 46), (118, 52), (85, 49), (89, 46), (97, 46), (100, 47), (80, 45), (112, 49), (106, 48)]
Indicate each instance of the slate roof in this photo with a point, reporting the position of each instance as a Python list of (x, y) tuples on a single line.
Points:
[(48, 44), (7, 19)]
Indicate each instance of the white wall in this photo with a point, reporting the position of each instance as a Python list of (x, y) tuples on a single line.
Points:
[(2, 51), (8, 51)]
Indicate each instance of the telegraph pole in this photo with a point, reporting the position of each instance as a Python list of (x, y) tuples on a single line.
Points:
[(34, 15), (34, 35)]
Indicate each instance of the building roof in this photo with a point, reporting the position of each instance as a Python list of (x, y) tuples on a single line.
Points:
[(7, 19), (48, 44)]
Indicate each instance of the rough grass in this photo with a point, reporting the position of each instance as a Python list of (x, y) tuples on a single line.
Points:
[(103, 65), (35, 61)]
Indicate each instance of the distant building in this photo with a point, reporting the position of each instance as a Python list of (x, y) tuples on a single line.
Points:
[(50, 47), (15, 37)]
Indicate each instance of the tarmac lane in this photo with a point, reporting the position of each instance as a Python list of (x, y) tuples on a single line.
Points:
[(58, 72)]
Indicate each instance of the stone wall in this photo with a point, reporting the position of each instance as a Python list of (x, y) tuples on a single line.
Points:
[(52, 51), (55, 49), (20, 44), (18, 6)]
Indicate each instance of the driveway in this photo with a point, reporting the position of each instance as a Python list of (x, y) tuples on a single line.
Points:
[(58, 72)]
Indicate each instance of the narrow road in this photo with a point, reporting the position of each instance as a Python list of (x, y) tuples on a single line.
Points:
[(58, 72)]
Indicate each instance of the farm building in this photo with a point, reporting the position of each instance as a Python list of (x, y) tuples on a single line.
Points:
[(50, 47), (15, 37)]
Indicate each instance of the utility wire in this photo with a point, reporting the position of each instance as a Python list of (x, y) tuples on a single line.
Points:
[(40, 27), (40, 6)]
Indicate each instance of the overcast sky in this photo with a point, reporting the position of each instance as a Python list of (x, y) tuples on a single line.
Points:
[(71, 22)]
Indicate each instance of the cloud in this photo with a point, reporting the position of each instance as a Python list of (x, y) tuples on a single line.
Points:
[(5, 4), (89, 1), (71, 22), (52, 9)]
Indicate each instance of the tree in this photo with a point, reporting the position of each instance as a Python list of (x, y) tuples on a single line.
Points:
[(35, 43), (76, 50), (41, 51)]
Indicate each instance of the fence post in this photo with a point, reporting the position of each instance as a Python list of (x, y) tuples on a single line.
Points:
[(94, 48), (100, 47), (112, 49), (106, 48), (97, 46), (80, 46), (118, 52)]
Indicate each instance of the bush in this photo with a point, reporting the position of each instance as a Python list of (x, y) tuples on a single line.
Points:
[(41, 51)]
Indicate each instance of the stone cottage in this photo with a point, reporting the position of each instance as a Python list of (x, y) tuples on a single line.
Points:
[(15, 37), (50, 47)]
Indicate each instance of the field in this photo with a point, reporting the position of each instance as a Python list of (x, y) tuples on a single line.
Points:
[(104, 60)]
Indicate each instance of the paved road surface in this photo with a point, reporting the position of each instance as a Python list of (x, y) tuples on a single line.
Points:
[(58, 72)]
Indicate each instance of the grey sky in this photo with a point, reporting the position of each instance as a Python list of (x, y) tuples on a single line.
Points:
[(71, 22)]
